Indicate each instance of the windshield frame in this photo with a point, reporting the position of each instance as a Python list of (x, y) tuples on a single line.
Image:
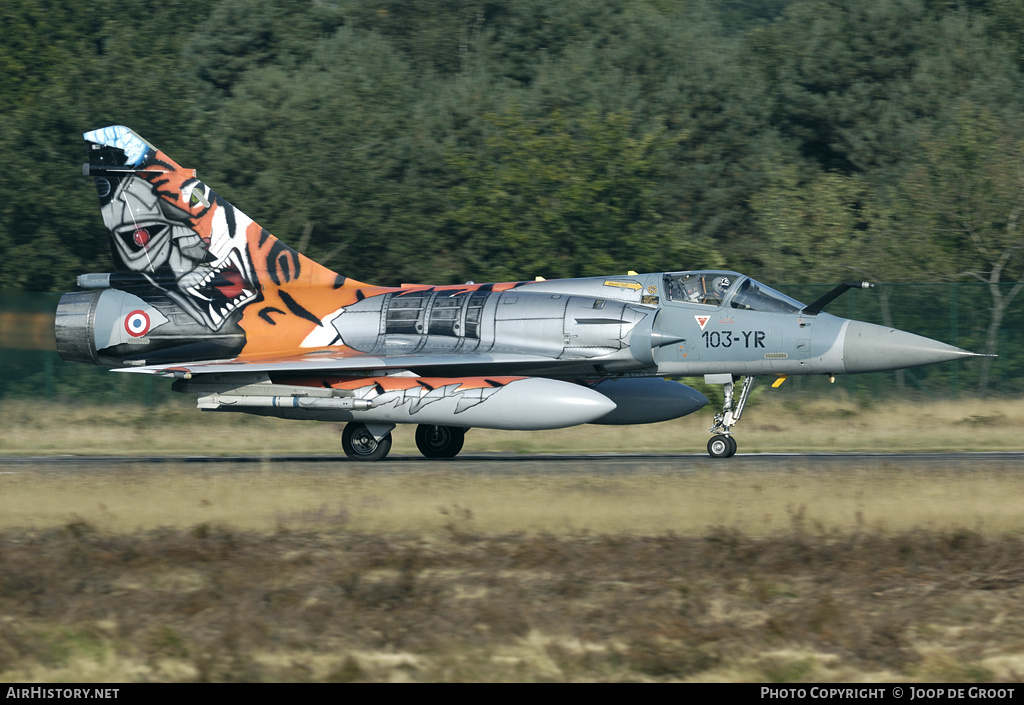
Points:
[(752, 295)]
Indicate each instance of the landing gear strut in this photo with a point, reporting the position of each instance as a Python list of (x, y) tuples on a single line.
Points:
[(723, 445), (439, 441)]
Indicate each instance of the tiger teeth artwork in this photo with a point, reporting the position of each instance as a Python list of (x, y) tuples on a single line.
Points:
[(202, 294)]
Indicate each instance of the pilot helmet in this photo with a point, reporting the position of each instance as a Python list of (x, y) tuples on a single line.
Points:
[(720, 284)]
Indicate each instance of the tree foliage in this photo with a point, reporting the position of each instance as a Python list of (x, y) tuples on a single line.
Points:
[(557, 197), (501, 139), (970, 189)]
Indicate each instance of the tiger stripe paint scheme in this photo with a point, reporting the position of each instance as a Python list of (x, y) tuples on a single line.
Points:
[(202, 293)]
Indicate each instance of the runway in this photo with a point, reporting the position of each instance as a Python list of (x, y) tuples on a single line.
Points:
[(512, 463)]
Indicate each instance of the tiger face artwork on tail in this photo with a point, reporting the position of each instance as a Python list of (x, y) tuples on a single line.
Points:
[(174, 238), (180, 239), (174, 231)]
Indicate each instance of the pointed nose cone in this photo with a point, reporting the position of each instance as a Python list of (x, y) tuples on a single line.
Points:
[(871, 348)]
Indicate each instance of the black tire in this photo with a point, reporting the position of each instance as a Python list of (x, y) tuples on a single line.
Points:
[(436, 441), (720, 447), (359, 444), (732, 446)]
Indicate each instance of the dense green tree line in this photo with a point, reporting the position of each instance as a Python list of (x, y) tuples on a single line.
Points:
[(796, 140)]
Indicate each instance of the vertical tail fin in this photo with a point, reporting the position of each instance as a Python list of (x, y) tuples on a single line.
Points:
[(171, 232)]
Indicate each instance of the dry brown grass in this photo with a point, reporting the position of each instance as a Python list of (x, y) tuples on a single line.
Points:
[(641, 496), (617, 569), (212, 604), (335, 572)]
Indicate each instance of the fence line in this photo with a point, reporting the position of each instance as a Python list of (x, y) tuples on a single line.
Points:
[(955, 313)]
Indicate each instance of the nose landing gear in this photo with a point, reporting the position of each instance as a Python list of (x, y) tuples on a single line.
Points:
[(723, 445)]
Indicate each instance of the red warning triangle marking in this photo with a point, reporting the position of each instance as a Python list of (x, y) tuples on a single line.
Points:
[(702, 320)]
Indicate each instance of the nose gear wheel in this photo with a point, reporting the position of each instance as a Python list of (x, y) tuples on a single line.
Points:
[(722, 446)]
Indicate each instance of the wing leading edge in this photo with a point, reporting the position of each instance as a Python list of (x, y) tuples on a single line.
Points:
[(337, 362)]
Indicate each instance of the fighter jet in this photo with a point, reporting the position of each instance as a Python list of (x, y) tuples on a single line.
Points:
[(203, 294)]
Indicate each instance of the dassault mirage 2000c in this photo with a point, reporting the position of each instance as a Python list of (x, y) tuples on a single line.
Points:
[(202, 293)]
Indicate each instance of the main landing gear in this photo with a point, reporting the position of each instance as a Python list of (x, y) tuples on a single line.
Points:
[(366, 442), (439, 441), (370, 442), (723, 445)]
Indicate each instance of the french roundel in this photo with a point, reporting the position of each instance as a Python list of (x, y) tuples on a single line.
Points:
[(136, 323)]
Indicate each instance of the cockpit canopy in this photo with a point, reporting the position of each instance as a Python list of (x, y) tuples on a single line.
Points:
[(715, 288), (699, 287)]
